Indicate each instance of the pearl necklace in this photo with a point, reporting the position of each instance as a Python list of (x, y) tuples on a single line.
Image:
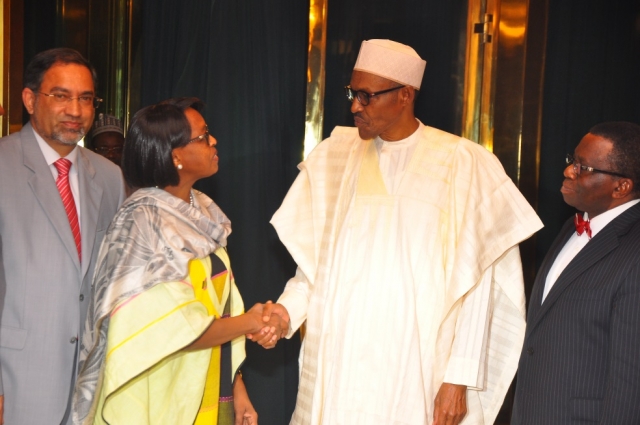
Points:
[(190, 199)]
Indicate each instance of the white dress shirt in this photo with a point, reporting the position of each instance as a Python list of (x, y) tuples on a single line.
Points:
[(577, 242), (51, 156)]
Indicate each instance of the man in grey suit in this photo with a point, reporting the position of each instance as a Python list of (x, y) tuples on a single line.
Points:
[(580, 362), (48, 246)]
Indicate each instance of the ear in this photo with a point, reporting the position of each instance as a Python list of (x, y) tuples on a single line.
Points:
[(406, 95), (176, 157), (623, 189), (29, 100)]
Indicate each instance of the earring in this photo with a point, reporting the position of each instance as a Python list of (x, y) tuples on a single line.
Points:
[(179, 167)]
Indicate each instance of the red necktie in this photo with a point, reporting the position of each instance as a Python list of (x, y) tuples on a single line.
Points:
[(582, 225), (63, 165)]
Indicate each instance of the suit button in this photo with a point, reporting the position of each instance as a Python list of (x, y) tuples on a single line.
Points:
[(73, 339), (530, 351), (81, 297)]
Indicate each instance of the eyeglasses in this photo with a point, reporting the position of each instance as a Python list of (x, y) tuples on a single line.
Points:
[(84, 101), (577, 167), (103, 150), (363, 97), (205, 137)]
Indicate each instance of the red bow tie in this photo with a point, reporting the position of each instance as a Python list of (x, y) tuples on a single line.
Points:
[(582, 225)]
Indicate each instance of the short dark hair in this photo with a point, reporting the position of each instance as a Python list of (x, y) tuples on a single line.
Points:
[(625, 155), (41, 63), (154, 133)]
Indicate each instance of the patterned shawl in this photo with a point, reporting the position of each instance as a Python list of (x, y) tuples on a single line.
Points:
[(150, 240)]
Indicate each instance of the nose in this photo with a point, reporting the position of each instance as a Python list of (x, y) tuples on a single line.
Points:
[(74, 108), (356, 106), (212, 140), (569, 172)]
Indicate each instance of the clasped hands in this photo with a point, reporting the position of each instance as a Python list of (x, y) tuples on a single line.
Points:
[(275, 320)]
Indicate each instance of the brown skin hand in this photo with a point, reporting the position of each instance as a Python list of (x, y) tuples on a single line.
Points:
[(450, 404)]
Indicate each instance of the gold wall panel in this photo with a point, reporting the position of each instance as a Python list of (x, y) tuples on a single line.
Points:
[(315, 74), (11, 69), (503, 92)]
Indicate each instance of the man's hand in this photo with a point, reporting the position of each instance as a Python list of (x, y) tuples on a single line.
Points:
[(276, 318), (450, 404)]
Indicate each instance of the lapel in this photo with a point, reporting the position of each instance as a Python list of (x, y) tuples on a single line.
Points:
[(44, 189), (602, 244), (538, 288), (90, 199)]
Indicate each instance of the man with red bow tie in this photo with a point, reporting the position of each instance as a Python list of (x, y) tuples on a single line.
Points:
[(580, 358)]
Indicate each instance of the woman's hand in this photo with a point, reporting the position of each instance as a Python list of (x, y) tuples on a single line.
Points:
[(227, 328), (276, 317), (269, 331), (245, 414)]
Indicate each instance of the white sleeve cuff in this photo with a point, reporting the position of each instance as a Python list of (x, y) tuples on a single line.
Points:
[(295, 299)]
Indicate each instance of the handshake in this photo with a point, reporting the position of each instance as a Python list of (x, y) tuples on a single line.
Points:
[(271, 323)]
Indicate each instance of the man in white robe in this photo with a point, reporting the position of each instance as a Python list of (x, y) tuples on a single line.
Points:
[(409, 275)]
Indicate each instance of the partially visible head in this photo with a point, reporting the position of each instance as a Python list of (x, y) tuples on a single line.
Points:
[(156, 133), (43, 61), (605, 169), (59, 94), (108, 138), (625, 155), (383, 88)]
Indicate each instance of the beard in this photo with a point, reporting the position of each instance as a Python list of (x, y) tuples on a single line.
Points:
[(68, 137), (64, 136)]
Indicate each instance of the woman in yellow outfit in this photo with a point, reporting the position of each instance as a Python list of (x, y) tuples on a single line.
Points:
[(164, 337)]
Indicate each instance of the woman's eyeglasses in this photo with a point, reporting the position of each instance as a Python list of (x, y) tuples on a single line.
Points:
[(205, 137)]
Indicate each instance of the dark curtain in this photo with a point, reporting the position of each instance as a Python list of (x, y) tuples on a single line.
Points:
[(247, 61), (592, 74), (39, 33), (434, 28)]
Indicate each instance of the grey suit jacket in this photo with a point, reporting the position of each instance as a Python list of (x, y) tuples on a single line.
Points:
[(580, 363), (43, 287)]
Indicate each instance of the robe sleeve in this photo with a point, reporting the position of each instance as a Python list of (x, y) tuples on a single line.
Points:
[(295, 298), (466, 363)]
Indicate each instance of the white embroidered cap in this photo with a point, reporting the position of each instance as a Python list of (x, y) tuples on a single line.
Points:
[(391, 60), (106, 123)]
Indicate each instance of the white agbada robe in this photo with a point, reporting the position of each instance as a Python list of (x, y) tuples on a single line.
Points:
[(398, 286)]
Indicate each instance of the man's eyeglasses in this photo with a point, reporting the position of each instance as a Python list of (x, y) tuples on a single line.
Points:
[(85, 101), (205, 137), (103, 150), (577, 167), (363, 97)]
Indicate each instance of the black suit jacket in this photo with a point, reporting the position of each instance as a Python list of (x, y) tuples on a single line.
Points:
[(580, 363)]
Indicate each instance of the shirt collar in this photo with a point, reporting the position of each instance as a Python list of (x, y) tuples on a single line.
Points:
[(400, 144), (50, 155), (601, 220)]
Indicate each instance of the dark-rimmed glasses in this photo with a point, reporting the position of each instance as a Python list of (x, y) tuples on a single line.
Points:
[(205, 137), (577, 167), (103, 150), (363, 97), (85, 101)]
